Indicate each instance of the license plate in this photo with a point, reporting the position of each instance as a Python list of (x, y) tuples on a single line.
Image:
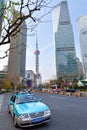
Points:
[(25, 119), (37, 120)]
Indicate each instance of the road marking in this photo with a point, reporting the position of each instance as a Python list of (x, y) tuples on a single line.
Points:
[(1, 100)]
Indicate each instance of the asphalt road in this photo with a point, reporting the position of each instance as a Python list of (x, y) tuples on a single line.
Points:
[(68, 113)]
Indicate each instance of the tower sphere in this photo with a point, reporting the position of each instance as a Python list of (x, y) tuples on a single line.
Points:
[(36, 52)]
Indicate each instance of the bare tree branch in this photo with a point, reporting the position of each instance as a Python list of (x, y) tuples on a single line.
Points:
[(13, 19)]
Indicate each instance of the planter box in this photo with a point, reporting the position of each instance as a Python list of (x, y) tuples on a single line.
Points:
[(78, 94), (68, 93)]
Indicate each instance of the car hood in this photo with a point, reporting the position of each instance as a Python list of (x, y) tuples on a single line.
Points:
[(31, 107)]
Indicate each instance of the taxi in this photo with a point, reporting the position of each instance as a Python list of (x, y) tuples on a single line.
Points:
[(27, 110)]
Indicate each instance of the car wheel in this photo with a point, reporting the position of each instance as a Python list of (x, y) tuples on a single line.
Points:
[(14, 121), (8, 110)]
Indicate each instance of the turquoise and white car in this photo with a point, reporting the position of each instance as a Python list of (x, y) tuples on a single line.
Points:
[(27, 110)]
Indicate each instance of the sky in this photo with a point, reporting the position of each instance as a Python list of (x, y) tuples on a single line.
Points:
[(44, 31)]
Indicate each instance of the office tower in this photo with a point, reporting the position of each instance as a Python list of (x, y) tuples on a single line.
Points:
[(82, 31), (1, 14), (80, 69), (17, 55), (65, 55)]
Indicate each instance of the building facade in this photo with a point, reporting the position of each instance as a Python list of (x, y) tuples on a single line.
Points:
[(1, 13), (65, 55), (17, 55), (29, 79), (80, 69), (3, 75), (82, 31)]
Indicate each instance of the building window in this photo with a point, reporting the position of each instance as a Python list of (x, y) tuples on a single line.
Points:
[(85, 32)]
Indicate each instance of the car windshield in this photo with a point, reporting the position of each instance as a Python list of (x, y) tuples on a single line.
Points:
[(26, 99), (53, 87)]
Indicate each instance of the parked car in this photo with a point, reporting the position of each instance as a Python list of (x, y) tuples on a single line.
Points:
[(55, 88), (70, 90), (25, 91), (27, 110)]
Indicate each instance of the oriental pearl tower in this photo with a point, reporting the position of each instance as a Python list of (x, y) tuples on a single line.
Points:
[(37, 74)]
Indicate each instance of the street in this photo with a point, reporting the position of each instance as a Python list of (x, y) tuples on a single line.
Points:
[(68, 113)]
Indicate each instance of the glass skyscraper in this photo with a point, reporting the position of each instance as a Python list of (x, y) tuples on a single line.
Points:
[(65, 55), (82, 30)]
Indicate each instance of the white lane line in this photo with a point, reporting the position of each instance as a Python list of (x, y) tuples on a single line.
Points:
[(1, 100)]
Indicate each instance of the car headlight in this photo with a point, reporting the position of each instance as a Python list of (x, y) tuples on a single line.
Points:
[(47, 112), (22, 116)]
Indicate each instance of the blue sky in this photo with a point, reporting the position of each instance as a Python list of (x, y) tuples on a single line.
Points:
[(45, 40)]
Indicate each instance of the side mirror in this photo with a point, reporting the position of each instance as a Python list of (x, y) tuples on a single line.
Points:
[(11, 103), (39, 99)]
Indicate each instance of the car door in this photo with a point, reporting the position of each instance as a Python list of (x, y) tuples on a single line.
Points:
[(11, 105)]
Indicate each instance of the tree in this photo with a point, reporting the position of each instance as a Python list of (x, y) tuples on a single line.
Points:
[(74, 83), (6, 84), (15, 13), (59, 81)]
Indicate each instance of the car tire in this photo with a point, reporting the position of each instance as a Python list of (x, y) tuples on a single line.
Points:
[(8, 110), (15, 122)]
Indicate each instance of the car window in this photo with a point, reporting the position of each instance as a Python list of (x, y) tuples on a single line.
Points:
[(13, 98), (26, 99)]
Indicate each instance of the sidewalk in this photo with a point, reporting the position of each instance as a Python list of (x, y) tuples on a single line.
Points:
[(1, 101)]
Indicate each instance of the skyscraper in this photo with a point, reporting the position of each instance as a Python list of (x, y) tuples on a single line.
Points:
[(65, 55), (1, 13), (82, 30), (17, 55), (80, 69)]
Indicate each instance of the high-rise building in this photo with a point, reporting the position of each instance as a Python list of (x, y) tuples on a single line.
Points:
[(17, 55), (1, 14), (65, 55), (82, 31), (80, 69)]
